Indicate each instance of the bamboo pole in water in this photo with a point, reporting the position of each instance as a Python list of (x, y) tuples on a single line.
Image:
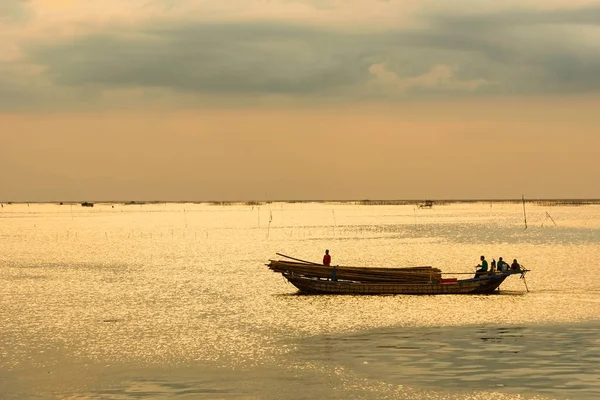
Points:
[(524, 215), (552, 219)]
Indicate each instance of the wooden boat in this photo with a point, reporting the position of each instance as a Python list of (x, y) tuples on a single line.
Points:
[(319, 279), (426, 204)]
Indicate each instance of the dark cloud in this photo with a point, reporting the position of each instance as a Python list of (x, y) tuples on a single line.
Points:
[(15, 93), (520, 52), (526, 51), (477, 22), (14, 11), (227, 58)]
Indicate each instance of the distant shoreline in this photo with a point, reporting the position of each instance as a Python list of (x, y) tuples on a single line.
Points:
[(353, 202)]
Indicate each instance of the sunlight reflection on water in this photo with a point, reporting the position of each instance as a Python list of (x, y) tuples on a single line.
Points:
[(178, 284)]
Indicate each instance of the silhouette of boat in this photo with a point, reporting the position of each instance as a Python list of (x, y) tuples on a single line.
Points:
[(426, 204), (320, 279)]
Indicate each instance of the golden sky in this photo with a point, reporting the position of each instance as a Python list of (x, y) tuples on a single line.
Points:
[(293, 99)]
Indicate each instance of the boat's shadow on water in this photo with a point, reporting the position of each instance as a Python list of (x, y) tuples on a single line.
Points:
[(317, 295), (510, 293)]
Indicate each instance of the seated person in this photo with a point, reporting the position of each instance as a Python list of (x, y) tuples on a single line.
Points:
[(482, 268), (502, 265), (515, 265)]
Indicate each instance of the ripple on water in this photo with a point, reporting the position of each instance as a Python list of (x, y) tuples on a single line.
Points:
[(145, 286)]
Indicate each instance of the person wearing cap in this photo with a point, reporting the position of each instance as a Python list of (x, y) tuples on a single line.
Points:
[(327, 258)]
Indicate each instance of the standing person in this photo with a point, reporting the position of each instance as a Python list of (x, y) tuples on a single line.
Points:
[(327, 258), (483, 267)]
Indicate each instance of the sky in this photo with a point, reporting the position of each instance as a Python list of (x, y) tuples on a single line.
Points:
[(299, 99)]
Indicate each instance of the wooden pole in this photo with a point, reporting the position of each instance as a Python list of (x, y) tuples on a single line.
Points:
[(297, 259), (525, 282), (524, 214), (551, 219)]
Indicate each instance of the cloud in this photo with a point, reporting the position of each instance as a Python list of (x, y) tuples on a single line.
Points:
[(439, 77), (13, 11), (212, 58), (288, 50)]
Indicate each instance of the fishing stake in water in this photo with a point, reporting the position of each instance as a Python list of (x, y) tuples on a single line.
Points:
[(524, 214), (524, 280)]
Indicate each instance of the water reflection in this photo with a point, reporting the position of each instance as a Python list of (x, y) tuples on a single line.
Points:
[(547, 359), (158, 286)]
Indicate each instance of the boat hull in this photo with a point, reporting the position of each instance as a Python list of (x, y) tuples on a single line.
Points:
[(484, 285)]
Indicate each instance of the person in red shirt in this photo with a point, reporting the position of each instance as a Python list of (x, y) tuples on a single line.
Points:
[(327, 258)]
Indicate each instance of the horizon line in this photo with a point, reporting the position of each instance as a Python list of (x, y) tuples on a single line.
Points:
[(408, 201)]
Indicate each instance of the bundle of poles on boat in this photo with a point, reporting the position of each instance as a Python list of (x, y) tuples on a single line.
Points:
[(307, 269)]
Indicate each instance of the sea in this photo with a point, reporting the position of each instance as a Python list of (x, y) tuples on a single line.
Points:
[(174, 301)]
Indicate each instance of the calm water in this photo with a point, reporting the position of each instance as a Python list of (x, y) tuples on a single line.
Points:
[(174, 301)]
